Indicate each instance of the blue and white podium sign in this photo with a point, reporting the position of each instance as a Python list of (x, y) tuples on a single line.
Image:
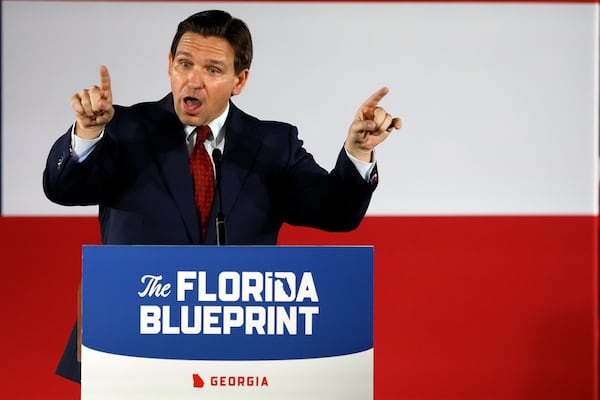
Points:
[(232, 322)]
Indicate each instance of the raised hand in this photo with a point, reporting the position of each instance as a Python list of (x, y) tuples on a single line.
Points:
[(371, 126), (93, 107)]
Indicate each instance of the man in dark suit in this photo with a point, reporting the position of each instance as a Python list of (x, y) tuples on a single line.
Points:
[(134, 162)]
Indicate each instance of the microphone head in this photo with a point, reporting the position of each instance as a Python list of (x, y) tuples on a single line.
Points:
[(217, 155)]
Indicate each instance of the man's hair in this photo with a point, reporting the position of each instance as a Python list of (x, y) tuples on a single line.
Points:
[(220, 24)]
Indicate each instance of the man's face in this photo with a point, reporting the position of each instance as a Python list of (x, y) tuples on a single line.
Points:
[(203, 78)]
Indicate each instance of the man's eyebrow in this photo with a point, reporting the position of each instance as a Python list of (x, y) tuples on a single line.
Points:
[(213, 61), (183, 54), (217, 62)]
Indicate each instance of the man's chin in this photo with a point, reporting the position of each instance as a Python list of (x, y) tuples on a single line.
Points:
[(192, 120)]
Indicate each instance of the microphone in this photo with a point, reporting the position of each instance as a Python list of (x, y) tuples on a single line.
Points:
[(221, 231)]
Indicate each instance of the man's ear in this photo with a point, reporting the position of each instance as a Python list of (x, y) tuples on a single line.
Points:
[(170, 63), (241, 80)]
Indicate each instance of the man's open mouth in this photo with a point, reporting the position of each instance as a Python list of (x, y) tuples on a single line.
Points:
[(191, 104)]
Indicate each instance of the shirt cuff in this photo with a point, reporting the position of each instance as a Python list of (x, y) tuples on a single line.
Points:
[(365, 169), (81, 148)]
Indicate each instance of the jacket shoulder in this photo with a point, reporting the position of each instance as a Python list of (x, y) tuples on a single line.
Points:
[(252, 123), (164, 105)]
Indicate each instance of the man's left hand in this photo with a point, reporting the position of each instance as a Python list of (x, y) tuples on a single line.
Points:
[(371, 126)]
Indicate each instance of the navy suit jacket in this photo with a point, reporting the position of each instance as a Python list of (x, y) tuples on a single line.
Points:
[(139, 175)]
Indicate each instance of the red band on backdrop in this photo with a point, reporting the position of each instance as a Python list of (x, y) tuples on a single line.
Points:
[(465, 307)]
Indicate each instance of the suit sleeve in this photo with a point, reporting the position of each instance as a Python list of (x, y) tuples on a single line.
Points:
[(336, 201), (67, 181)]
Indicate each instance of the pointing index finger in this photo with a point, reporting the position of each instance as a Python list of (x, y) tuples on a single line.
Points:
[(104, 79), (375, 98)]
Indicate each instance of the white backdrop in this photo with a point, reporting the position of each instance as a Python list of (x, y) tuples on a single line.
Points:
[(499, 101)]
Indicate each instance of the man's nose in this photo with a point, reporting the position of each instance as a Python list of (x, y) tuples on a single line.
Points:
[(196, 79)]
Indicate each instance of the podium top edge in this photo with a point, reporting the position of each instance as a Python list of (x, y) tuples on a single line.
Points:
[(227, 246)]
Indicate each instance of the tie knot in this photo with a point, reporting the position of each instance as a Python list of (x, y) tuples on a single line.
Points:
[(202, 133)]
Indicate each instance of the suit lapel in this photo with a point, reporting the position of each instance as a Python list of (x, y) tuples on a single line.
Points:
[(167, 138), (168, 142), (242, 144)]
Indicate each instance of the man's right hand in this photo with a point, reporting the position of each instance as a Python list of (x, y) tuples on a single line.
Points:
[(93, 107)]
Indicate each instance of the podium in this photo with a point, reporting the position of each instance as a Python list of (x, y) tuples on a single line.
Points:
[(227, 322)]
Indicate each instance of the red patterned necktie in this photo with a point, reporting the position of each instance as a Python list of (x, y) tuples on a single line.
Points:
[(202, 172)]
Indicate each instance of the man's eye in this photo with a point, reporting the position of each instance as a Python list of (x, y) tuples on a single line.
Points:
[(184, 64), (214, 70)]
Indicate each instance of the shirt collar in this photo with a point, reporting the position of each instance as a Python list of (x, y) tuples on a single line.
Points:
[(216, 125)]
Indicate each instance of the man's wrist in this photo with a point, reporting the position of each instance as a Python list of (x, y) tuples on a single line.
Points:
[(90, 133), (358, 153)]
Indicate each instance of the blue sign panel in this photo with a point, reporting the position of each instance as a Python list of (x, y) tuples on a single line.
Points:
[(227, 303)]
